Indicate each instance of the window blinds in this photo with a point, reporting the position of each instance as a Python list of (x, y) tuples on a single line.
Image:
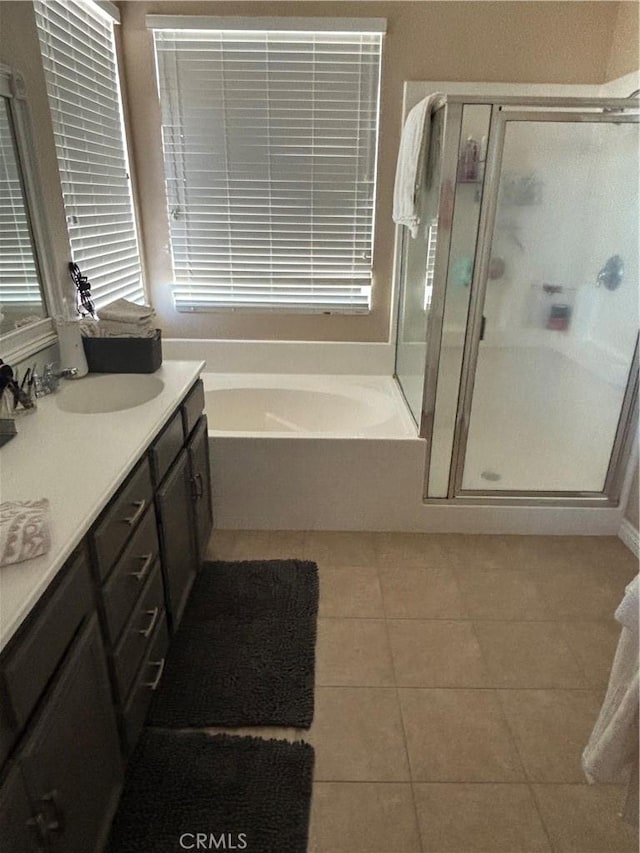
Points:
[(76, 41), (270, 142), (19, 281)]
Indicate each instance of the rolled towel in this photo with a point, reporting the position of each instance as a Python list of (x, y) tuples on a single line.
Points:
[(24, 530), (123, 311)]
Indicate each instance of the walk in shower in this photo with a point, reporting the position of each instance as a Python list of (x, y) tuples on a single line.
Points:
[(517, 345)]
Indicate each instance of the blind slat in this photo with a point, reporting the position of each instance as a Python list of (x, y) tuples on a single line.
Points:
[(270, 143)]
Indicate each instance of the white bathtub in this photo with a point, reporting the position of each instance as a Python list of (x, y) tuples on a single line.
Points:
[(299, 451), (289, 405)]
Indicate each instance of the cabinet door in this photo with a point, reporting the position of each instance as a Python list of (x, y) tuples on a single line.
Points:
[(71, 760), (177, 540), (198, 449), (20, 830)]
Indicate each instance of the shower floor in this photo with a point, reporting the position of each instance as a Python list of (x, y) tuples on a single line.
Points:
[(539, 422)]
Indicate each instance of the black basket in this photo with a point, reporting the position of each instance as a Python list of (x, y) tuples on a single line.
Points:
[(123, 355)]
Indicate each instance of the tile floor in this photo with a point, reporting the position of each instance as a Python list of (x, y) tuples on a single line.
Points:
[(458, 679)]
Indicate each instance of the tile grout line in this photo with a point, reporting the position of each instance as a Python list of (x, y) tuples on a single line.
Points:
[(399, 704)]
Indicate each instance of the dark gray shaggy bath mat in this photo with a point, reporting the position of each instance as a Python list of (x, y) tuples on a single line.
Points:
[(244, 654), (242, 791)]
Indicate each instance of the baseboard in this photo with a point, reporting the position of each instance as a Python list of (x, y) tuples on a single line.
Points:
[(630, 536)]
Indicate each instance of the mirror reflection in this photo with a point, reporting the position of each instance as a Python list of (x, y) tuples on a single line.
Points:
[(21, 300)]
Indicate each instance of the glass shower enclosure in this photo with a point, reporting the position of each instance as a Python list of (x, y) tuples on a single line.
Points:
[(517, 344)]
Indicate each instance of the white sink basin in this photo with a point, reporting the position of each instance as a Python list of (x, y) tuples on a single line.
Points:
[(111, 392)]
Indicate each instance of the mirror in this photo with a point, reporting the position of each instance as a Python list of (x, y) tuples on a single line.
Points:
[(25, 257), (21, 297)]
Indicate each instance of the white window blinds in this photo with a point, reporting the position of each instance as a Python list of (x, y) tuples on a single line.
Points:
[(270, 142), (78, 52), (19, 281)]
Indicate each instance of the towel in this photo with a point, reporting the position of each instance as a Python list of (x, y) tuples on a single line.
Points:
[(24, 530), (113, 329), (412, 155), (123, 311), (613, 746)]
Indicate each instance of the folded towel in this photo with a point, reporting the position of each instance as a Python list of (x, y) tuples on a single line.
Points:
[(24, 530), (123, 311), (412, 155), (112, 329)]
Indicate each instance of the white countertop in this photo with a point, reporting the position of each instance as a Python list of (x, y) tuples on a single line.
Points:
[(77, 461)]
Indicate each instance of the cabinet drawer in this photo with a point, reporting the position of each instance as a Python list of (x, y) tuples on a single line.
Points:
[(27, 670), (166, 447), (127, 580), (122, 518), (137, 635), (147, 681), (193, 407)]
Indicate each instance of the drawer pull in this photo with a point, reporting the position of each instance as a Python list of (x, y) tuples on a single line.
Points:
[(146, 632), (153, 685), (144, 571), (51, 800), (132, 520), (197, 489), (39, 824)]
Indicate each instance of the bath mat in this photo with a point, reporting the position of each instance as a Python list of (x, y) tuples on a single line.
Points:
[(239, 793), (244, 654)]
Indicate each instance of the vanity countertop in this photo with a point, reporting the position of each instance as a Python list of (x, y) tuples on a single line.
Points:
[(77, 461)]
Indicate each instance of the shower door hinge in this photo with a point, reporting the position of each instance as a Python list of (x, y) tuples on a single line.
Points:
[(482, 326)]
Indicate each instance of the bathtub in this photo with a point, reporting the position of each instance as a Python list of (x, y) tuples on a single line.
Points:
[(300, 451), (295, 405)]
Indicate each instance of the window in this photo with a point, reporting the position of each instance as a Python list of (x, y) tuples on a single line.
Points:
[(270, 139), (19, 278), (78, 52)]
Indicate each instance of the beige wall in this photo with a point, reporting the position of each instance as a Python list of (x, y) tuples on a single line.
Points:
[(20, 49), (623, 54), (534, 42)]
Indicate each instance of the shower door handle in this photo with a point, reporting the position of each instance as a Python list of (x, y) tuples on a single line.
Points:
[(482, 326)]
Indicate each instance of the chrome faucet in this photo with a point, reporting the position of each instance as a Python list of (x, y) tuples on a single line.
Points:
[(50, 379)]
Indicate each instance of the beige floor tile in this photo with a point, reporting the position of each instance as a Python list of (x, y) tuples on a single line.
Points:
[(360, 817), (467, 818), (582, 593), (480, 552), (422, 550), (411, 592), (496, 594), (350, 592), (458, 736), (551, 729), (357, 735), (353, 652), (594, 645), (528, 654), (221, 545), (436, 653), (584, 818), (340, 548), (269, 545)]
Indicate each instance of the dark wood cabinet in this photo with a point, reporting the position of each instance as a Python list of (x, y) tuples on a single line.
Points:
[(20, 830), (70, 761), (199, 469), (77, 678), (174, 503)]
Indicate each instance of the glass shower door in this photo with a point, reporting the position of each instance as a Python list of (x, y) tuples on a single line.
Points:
[(557, 320), (417, 267)]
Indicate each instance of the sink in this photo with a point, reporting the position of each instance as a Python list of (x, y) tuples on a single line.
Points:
[(111, 392)]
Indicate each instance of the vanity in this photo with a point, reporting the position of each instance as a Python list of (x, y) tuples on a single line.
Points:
[(85, 629)]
